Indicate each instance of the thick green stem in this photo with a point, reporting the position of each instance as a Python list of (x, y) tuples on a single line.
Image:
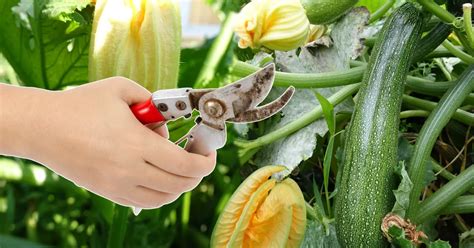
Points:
[(379, 13), (332, 79), (445, 195), (459, 114), (461, 205), (467, 9), (413, 113), (434, 8), (217, 52), (430, 131), (305, 80), (428, 87), (464, 42), (468, 59), (299, 123), (118, 227)]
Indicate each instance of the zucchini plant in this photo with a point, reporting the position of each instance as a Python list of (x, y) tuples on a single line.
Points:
[(373, 150), (370, 153)]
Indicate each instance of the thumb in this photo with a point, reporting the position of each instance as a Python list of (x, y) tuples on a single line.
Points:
[(130, 91)]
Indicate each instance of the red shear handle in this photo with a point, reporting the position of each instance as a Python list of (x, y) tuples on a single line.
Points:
[(146, 112)]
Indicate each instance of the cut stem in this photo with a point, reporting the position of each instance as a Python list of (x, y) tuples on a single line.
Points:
[(467, 9)]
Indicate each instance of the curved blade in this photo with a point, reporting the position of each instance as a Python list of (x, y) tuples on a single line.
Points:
[(250, 91), (263, 112)]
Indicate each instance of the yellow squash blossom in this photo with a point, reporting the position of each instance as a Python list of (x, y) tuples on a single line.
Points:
[(137, 39), (262, 213), (278, 25)]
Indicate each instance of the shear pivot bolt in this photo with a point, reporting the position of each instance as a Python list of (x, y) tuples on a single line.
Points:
[(213, 108), (180, 105), (163, 107)]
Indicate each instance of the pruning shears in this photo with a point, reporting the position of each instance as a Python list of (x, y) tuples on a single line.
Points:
[(236, 102)]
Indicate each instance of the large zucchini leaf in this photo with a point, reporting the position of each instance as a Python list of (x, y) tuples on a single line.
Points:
[(46, 41)]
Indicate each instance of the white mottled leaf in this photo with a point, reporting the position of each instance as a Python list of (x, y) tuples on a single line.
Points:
[(347, 44)]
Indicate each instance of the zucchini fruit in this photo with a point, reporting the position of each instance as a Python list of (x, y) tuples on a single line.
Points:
[(326, 11), (367, 180), (432, 40)]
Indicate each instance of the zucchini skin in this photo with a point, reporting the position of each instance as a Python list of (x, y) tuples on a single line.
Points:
[(365, 192), (432, 40)]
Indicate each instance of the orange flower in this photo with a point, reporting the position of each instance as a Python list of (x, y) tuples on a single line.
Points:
[(262, 213)]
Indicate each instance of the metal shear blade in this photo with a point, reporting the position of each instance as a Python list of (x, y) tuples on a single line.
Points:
[(237, 102)]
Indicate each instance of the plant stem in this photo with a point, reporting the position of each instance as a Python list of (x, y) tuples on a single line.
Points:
[(468, 59), (434, 8), (430, 131), (467, 9), (445, 195), (440, 52), (186, 212), (379, 13), (459, 114), (443, 68), (464, 42), (428, 87), (217, 52), (413, 113), (461, 205), (305, 80), (118, 227), (299, 123), (332, 79)]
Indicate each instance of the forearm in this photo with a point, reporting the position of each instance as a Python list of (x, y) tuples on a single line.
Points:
[(19, 117)]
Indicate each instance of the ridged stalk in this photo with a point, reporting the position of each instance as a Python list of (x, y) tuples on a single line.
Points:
[(430, 131), (444, 196)]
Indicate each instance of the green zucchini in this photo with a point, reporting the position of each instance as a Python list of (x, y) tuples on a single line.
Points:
[(432, 40), (326, 11), (365, 192)]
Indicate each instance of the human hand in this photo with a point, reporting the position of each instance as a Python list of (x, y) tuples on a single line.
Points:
[(89, 136)]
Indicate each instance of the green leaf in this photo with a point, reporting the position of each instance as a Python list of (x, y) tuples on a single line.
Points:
[(328, 111), (439, 244), (44, 51), (398, 238), (402, 193), (10, 241), (466, 240), (316, 236), (372, 5), (347, 37), (62, 8)]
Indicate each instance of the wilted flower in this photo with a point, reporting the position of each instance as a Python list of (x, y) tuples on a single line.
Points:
[(137, 39), (278, 25), (316, 32)]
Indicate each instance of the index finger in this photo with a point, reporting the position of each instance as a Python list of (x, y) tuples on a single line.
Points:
[(169, 157)]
